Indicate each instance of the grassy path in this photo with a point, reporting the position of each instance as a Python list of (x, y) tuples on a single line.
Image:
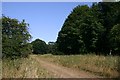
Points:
[(60, 71), (60, 66), (107, 66)]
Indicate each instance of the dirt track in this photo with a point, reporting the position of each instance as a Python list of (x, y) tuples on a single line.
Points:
[(62, 72)]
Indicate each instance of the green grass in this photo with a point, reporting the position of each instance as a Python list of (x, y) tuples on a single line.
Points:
[(100, 65), (23, 68)]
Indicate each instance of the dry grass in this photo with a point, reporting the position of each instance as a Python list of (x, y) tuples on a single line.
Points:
[(100, 65), (23, 68), (29, 68)]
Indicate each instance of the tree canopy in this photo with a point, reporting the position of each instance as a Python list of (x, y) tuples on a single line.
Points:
[(15, 38), (88, 29)]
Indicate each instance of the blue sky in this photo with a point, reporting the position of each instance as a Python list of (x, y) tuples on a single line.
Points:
[(45, 18)]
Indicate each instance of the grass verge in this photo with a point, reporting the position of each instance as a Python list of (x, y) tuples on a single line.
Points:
[(106, 66)]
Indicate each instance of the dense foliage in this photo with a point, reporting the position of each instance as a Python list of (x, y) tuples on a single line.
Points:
[(91, 29), (51, 47), (0, 37), (39, 47), (115, 38), (15, 37)]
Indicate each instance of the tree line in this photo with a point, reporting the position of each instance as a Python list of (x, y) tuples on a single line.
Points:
[(94, 29)]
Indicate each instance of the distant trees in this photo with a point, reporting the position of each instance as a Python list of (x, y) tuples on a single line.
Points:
[(15, 38), (52, 48), (39, 47), (91, 29)]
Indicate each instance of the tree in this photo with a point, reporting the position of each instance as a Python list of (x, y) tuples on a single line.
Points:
[(90, 31), (39, 47), (80, 32), (115, 39), (69, 35), (15, 37), (109, 14)]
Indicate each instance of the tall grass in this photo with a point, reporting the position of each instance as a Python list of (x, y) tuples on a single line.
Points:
[(23, 68), (100, 65), (10, 68)]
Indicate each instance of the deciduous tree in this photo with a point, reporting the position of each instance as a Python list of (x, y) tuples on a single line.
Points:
[(15, 38)]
